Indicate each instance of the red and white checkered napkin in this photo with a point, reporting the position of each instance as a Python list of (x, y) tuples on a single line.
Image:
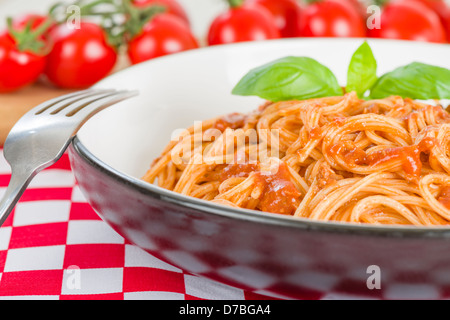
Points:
[(54, 246)]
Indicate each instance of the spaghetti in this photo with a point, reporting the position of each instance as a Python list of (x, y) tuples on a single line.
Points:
[(332, 159)]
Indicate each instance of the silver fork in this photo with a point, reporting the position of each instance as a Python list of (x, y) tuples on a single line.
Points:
[(42, 135)]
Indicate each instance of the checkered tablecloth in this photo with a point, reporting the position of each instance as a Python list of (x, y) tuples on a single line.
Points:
[(54, 246)]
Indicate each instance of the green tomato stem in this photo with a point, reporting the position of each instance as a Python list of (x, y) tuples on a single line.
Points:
[(235, 3), (27, 39)]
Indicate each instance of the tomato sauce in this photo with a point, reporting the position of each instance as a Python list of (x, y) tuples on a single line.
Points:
[(238, 171), (233, 121), (280, 194), (410, 156), (350, 152), (316, 133), (444, 197)]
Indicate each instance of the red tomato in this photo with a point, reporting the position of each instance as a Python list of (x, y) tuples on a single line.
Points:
[(361, 7), (332, 18), (36, 20), (17, 69), (441, 8), (287, 15), (80, 57), (172, 6), (409, 20), (448, 27), (164, 34), (243, 23)]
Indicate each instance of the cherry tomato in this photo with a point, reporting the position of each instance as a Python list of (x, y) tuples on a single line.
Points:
[(361, 7), (22, 54), (441, 8), (287, 15), (332, 18), (409, 20), (80, 57), (172, 7), (243, 23), (36, 20), (447, 24), (164, 34), (17, 68)]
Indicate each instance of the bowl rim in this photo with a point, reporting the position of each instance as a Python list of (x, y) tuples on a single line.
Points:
[(145, 188)]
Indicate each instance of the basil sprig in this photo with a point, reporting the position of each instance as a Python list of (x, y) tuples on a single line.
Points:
[(416, 81), (290, 78), (362, 72), (301, 78)]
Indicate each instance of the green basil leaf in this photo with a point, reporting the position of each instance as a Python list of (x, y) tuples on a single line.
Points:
[(362, 72), (415, 81), (290, 78)]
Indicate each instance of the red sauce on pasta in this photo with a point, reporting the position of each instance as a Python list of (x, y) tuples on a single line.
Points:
[(238, 171), (315, 133), (233, 121), (408, 155), (444, 197), (280, 194), (350, 152)]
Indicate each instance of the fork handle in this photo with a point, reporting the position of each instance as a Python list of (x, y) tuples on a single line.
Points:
[(17, 185)]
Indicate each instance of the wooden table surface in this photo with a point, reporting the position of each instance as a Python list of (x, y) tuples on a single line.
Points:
[(15, 105)]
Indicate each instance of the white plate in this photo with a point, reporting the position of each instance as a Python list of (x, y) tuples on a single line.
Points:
[(177, 90)]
